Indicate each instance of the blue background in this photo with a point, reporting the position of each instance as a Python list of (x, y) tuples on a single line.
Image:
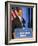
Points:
[(26, 29)]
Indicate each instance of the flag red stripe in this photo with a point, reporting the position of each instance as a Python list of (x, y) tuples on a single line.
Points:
[(16, 12), (13, 14)]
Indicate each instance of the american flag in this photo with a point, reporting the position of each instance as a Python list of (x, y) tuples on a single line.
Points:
[(13, 14)]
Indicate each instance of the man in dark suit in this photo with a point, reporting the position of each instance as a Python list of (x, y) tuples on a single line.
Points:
[(17, 22)]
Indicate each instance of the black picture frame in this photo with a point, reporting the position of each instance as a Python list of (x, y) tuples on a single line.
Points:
[(6, 22)]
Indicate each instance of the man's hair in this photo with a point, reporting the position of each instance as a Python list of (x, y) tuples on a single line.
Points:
[(18, 8)]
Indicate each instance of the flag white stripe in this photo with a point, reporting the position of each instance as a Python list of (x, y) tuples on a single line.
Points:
[(16, 12), (13, 14)]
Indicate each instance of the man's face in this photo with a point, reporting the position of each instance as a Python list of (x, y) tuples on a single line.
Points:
[(20, 13)]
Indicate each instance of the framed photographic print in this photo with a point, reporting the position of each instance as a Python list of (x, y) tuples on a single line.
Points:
[(20, 22)]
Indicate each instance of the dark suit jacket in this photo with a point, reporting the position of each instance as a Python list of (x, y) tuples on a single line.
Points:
[(16, 23)]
